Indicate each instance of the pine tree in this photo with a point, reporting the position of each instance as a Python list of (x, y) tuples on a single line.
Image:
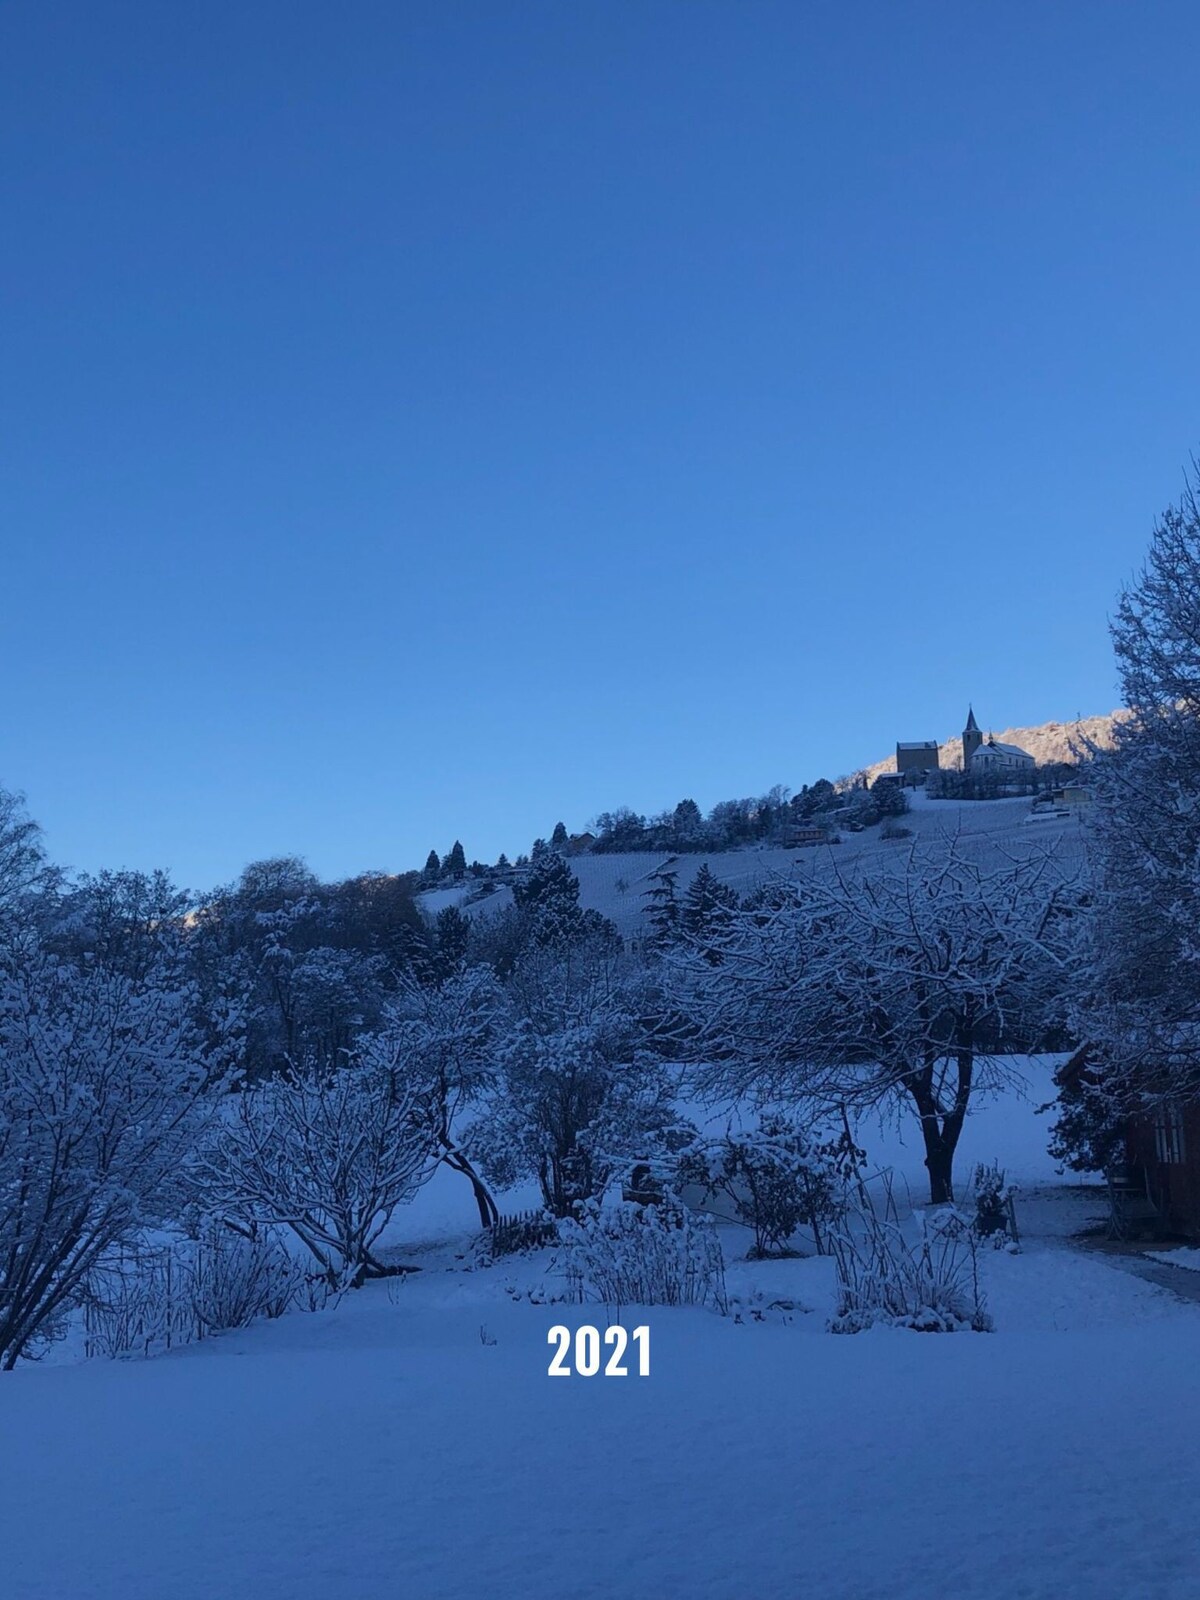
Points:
[(433, 867), (707, 911), (662, 906), (547, 895), (456, 861), (559, 837), (452, 930), (1140, 1007), (686, 823)]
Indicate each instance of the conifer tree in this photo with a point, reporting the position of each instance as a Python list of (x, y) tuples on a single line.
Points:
[(559, 837), (707, 911), (433, 866), (662, 906), (456, 861), (453, 930)]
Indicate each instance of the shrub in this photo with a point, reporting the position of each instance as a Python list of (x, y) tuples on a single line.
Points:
[(995, 1217), (931, 1286), (659, 1255), (140, 1301), (778, 1176), (233, 1279)]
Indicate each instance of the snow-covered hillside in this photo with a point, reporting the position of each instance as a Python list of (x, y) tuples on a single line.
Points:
[(615, 885)]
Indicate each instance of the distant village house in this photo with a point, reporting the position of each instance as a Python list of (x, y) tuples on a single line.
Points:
[(921, 756)]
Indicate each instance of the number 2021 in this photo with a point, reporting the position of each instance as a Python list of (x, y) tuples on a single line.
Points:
[(588, 1347)]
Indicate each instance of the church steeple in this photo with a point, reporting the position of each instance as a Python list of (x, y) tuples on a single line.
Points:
[(971, 739)]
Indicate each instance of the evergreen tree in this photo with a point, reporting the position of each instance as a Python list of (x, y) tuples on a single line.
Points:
[(662, 906), (707, 911), (547, 896), (687, 824), (1140, 1005), (452, 932), (559, 837), (456, 861), (889, 798), (433, 867)]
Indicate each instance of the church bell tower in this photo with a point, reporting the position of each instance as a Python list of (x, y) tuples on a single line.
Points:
[(972, 739)]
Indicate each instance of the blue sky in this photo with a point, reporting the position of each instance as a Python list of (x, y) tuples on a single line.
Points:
[(422, 421)]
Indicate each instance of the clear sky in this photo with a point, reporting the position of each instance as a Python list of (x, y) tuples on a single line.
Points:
[(433, 420)]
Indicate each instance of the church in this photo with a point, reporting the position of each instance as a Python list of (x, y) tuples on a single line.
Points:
[(988, 756)]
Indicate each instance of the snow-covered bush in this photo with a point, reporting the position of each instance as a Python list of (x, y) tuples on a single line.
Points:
[(930, 1285), (136, 1302), (659, 1255), (779, 1177), (144, 1299), (328, 1155), (893, 831), (994, 1195), (233, 1279)]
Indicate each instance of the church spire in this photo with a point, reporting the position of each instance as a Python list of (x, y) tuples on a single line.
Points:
[(972, 726), (971, 739)]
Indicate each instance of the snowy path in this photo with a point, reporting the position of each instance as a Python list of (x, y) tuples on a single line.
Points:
[(382, 1451)]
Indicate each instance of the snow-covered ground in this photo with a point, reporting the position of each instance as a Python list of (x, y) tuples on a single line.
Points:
[(383, 1449), (410, 1443), (615, 885), (1185, 1257)]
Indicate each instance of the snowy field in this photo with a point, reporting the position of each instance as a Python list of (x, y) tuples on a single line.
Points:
[(614, 885), (383, 1450), (409, 1443)]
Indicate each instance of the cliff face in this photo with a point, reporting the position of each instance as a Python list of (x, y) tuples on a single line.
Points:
[(1048, 741)]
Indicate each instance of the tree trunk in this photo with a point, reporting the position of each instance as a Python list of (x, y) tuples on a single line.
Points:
[(939, 1161), (489, 1212)]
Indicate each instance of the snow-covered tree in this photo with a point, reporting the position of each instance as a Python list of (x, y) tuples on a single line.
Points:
[(662, 905), (687, 825), (441, 1041), (579, 1098), (452, 937), (1140, 1004), (24, 870), (329, 1155), (104, 1084), (547, 900), (898, 985), (706, 914)]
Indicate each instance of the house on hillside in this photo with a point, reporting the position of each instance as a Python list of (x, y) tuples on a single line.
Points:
[(798, 835), (919, 756)]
